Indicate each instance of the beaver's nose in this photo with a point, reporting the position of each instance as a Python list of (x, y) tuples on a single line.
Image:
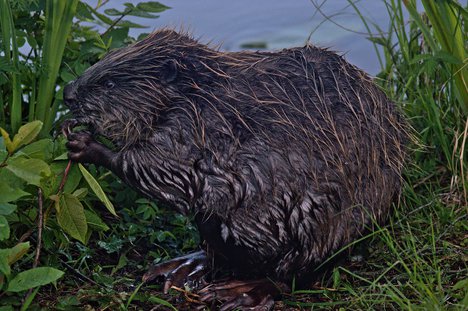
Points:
[(69, 95)]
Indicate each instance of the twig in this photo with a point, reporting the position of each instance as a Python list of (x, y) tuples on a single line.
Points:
[(65, 176), (44, 216), (114, 23)]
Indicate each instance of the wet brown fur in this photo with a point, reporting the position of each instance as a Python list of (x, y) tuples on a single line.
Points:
[(284, 156)]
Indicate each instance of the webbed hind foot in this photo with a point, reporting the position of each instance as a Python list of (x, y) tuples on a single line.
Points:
[(255, 295)]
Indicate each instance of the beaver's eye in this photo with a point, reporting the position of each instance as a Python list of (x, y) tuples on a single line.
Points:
[(109, 84)]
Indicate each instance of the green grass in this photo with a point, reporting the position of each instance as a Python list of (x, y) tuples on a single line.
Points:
[(419, 261), (416, 262)]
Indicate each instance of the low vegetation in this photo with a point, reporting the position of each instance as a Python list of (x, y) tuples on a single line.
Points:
[(63, 247)]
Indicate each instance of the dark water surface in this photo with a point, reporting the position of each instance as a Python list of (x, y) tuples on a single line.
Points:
[(274, 24)]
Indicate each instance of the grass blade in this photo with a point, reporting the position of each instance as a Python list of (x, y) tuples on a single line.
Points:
[(11, 55)]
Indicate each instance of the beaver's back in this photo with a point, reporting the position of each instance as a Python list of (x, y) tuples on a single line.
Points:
[(312, 104), (316, 151)]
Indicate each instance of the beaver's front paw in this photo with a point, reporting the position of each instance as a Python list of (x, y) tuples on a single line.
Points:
[(83, 148)]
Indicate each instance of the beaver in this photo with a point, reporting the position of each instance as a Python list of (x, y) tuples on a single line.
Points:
[(284, 157)]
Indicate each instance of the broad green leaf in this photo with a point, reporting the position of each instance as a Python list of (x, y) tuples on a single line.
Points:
[(6, 308), (41, 149), (30, 170), (56, 199), (4, 229), (71, 217), (142, 14), (7, 140), (33, 278), (129, 24), (81, 193), (95, 222), (97, 189), (4, 265), (102, 17), (113, 12), (10, 255), (26, 134), (7, 208), (8, 194), (21, 41), (11, 180), (142, 36), (73, 179), (83, 11), (67, 76), (116, 37), (18, 251), (63, 156), (152, 6)]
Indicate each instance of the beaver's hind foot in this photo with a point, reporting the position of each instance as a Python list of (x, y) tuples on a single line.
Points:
[(255, 295), (186, 270)]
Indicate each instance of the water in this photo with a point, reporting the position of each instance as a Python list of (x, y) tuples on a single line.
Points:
[(274, 23)]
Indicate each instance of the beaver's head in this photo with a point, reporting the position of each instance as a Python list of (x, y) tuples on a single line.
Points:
[(123, 96)]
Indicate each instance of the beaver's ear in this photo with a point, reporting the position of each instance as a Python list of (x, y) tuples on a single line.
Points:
[(169, 71)]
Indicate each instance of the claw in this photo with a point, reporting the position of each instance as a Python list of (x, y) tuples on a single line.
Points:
[(187, 270), (67, 126)]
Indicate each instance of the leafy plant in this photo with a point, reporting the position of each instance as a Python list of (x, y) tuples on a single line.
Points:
[(45, 198)]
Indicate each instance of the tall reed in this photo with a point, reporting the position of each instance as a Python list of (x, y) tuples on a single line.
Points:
[(58, 20), (10, 48), (426, 71), (445, 33)]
